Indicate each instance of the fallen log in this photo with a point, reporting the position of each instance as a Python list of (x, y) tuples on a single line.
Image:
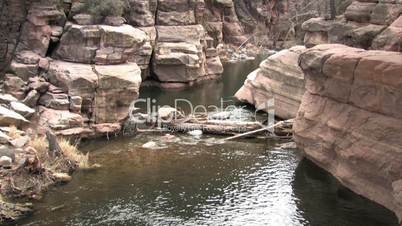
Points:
[(234, 123), (209, 128), (279, 124)]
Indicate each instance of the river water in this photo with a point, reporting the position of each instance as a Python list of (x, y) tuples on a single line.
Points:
[(201, 181)]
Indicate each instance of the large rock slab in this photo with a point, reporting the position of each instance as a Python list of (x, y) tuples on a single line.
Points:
[(350, 120), (9, 118), (278, 78), (102, 44), (118, 87), (75, 80), (179, 58), (59, 119)]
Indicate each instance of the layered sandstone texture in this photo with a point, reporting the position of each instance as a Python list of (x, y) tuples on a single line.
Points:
[(279, 79), (368, 24), (350, 119), (274, 23), (80, 78)]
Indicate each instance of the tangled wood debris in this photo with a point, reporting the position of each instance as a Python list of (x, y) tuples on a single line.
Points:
[(175, 121)]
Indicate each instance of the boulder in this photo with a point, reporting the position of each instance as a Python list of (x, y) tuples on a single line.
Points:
[(349, 121), (214, 66), (39, 84), (37, 30), (22, 109), (386, 13), (118, 87), (83, 19), (179, 58), (59, 119), (102, 44), (390, 39), (75, 80), (55, 101), (360, 11), (107, 128), (142, 13), (5, 161), (9, 118), (280, 79), (4, 138), (20, 142), (8, 152), (6, 98), (114, 21), (15, 86), (32, 98), (75, 104)]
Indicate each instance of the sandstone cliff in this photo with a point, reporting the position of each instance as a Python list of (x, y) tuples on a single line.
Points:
[(350, 120), (367, 24)]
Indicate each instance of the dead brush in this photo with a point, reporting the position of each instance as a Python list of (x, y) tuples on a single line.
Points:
[(71, 157)]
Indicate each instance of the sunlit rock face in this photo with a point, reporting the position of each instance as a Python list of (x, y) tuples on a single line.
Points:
[(365, 24), (102, 44), (279, 78), (350, 119)]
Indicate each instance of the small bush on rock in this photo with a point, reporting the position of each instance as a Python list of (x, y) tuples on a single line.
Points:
[(100, 9)]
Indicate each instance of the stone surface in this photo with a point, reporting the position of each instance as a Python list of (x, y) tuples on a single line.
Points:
[(142, 13), (55, 101), (22, 109), (6, 98), (15, 86), (118, 87), (5, 161), (349, 122), (7, 151), (20, 142), (103, 44), (74, 80), (32, 98), (75, 104), (107, 128), (179, 58), (372, 25), (4, 138), (9, 118), (59, 120), (278, 78)]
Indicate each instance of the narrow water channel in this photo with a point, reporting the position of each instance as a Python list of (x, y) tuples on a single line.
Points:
[(200, 181)]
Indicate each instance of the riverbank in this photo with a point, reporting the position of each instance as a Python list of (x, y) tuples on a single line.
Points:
[(29, 166)]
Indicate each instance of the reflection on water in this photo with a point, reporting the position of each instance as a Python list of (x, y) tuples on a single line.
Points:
[(207, 93), (201, 181), (246, 182)]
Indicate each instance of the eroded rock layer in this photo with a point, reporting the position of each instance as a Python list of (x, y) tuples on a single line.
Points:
[(279, 78), (350, 119)]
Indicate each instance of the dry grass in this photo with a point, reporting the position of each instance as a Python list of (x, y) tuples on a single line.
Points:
[(40, 144), (70, 152), (13, 133)]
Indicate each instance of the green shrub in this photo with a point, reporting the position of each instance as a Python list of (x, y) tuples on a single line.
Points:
[(103, 8)]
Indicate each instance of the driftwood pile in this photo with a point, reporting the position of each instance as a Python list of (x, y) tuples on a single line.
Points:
[(176, 122)]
